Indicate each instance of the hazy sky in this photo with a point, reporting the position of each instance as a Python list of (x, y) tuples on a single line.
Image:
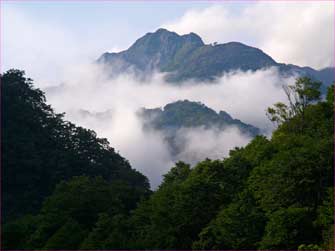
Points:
[(46, 37)]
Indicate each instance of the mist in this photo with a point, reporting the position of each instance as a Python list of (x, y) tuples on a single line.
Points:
[(201, 143), (109, 106)]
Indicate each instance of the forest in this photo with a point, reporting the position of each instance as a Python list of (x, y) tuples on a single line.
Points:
[(63, 187)]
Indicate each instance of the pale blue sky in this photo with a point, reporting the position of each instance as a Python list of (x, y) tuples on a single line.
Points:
[(38, 34), (47, 37), (128, 19)]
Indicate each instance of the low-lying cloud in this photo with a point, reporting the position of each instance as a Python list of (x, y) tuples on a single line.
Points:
[(201, 143), (109, 107)]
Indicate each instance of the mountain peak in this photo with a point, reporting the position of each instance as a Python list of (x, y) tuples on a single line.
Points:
[(193, 38), (185, 57), (163, 33), (156, 50), (162, 30)]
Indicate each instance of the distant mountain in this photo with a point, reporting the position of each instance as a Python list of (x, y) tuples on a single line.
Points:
[(187, 115), (187, 57), (192, 114)]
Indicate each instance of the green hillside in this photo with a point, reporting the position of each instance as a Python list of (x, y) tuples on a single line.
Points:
[(271, 194)]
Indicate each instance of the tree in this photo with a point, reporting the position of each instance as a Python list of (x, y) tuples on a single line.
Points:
[(69, 236), (96, 238), (238, 226), (119, 234), (300, 95), (325, 220), (83, 205), (15, 235), (288, 228), (330, 94), (177, 174)]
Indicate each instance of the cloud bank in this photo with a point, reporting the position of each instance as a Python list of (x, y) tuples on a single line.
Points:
[(201, 143), (300, 33), (109, 107)]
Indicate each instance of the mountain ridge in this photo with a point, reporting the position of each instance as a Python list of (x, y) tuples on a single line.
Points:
[(175, 117), (185, 57), (185, 113)]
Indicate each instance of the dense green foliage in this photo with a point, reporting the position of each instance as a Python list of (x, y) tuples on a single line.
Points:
[(40, 149), (187, 57), (272, 194)]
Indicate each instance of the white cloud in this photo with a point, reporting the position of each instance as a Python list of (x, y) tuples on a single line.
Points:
[(202, 143), (244, 95), (300, 33)]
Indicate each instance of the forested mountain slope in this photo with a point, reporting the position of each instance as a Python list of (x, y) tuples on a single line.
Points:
[(272, 194)]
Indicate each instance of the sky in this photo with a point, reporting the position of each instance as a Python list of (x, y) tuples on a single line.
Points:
[(56, 43), (46, 37)]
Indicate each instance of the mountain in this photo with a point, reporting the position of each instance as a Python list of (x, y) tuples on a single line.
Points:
[(187, 57), (192, 114), (187, 115), (154, 50)]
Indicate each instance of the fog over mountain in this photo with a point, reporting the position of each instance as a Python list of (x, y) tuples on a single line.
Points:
[(160, 70), (110, 107), (185, 124)]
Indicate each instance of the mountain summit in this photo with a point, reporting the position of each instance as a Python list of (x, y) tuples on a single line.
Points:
[(186, 57), (156, 50)]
